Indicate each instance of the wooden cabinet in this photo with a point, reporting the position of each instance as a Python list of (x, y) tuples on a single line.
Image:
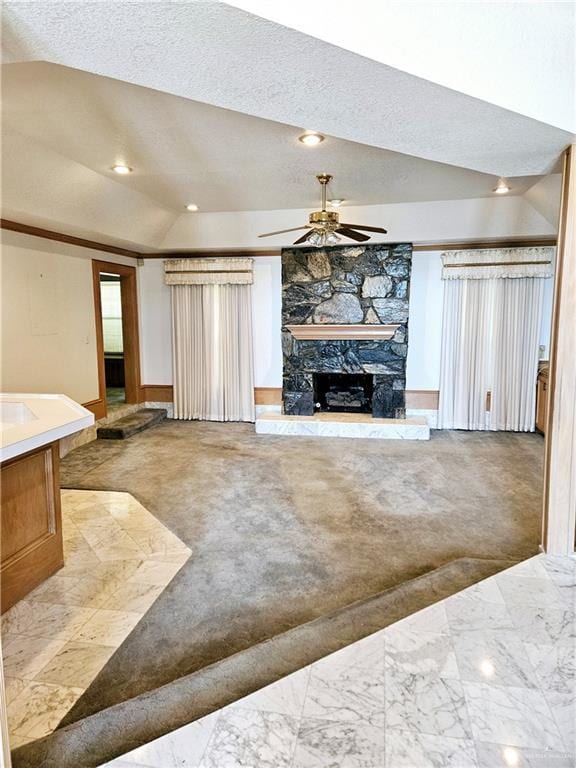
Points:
[(31, 524), (542, 400)]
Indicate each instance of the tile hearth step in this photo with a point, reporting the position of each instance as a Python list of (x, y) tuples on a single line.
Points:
[(132, 424), (361, 425)]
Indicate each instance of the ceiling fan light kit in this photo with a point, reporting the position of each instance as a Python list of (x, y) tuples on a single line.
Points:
[(324, 227)]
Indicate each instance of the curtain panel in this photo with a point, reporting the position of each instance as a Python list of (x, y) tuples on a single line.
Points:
[(491, 327), (212, 338)]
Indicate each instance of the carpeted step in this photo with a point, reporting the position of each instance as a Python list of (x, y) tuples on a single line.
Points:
[(132, 424), (100, 737)]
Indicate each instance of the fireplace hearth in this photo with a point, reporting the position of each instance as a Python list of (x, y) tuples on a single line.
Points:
[(343, 392)]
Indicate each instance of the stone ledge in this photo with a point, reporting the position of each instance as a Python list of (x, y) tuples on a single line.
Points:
[(342, 425)]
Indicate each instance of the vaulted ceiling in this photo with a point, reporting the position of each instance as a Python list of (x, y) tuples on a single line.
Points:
[(205, 102), (183, 151)]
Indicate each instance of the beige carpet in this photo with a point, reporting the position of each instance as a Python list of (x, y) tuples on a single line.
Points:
[(284, 530)]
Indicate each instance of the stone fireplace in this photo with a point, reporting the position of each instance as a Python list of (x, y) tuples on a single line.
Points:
[(345, 329)]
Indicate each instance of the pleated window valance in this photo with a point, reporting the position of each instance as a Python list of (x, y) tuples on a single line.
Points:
[(217, 271), (498, 262)]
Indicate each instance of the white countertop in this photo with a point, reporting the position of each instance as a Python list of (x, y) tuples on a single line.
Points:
[(28, 421)]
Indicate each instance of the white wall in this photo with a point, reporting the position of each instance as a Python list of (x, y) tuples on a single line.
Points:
[(425, 321), (155, 324), (438, 221), (267, 322), (48, 327), (425, 324)]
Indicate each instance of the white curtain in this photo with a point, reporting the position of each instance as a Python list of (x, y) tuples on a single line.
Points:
[(491, 327), (464, 369), (516, 331), (212, 351)]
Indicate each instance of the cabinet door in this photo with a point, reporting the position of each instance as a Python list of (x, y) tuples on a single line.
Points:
[(31, 531)]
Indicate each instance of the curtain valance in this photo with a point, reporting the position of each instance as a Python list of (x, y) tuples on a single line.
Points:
[(498, 262), (217, 271)]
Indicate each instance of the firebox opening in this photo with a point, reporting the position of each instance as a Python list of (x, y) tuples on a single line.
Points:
[(343, 392)]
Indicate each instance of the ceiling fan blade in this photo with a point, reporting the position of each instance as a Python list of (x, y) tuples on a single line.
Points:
[(281, 231), (366, 229), (303, 238), (358, 236)]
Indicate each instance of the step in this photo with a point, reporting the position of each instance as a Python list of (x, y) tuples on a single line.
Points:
[(100, 737), (132, 424)]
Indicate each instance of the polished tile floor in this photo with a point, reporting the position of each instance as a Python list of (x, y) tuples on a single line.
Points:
[(118, 560), (483, 679)]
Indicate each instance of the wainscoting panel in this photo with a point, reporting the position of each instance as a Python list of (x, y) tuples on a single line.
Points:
[(268, 395), (422, 399), (425, 399), (156, 393)]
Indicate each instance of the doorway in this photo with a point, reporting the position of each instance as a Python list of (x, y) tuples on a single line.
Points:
[(111, 303), (116, 310)]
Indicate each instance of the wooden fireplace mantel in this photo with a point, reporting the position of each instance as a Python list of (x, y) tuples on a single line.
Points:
[(326, 332)]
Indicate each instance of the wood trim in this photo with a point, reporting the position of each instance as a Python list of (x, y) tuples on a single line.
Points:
[(559, 503), (496, 264), (268, 395), (226, 253), (342, 332), (99, 340), (536, 242), (98, 408), (425, 399), (130, 330), (156, 393), (48, 234)]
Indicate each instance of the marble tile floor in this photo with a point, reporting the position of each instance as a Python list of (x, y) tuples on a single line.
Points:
[(118, 560), (483, 679)]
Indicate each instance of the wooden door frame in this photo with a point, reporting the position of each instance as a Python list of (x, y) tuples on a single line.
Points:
[(130, 333), (559, 513)]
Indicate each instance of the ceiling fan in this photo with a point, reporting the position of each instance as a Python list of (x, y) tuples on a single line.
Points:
[(324, 227)]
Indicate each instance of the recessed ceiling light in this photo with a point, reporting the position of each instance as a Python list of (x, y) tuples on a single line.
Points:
[(191, 207), (337, 202), (311, 138), (502, 187), (121, 169)]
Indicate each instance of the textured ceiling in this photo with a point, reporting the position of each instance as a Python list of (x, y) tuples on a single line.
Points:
[(184, 151), (213, 53), (518, 55)]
